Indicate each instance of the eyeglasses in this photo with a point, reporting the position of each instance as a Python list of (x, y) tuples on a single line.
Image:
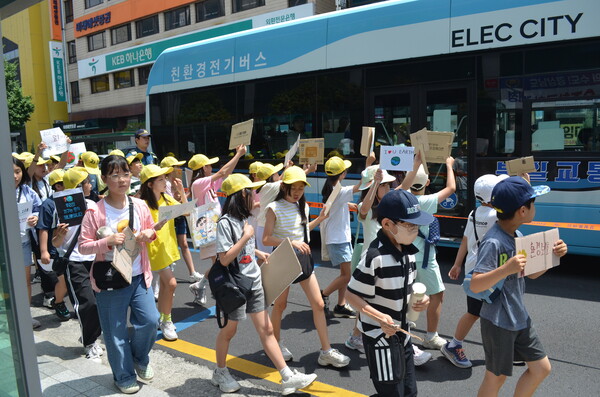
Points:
[(116, 177), (411, 227)]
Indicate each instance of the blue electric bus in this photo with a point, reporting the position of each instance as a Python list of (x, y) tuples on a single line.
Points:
[(510, 78)]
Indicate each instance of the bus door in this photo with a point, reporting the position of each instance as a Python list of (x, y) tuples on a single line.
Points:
[(439, 107)]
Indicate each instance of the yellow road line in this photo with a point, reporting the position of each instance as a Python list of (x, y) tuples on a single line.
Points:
[(254, 369)]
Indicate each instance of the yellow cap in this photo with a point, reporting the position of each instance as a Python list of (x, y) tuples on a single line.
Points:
[(55, 158), (74, 176), (294, 174), (132, 157), (152, 171), (171, 161), (56, 176), (254, 167), (40, 161), (116, 152), (236, 182), (199, 160), (23, 156), (266, 170), (90, 160), (335, 166)]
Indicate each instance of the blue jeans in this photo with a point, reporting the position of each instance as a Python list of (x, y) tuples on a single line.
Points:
[(125, 351)]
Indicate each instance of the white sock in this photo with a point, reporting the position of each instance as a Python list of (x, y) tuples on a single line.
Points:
[(286, 373), (455, 342), (326, 351), (431, 335), (221, 370)]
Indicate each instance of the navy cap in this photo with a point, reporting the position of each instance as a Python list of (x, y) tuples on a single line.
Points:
[(400, 205), (142, 132), (512, 193)]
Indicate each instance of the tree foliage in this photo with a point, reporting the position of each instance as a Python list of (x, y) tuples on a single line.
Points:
[(20, 107)]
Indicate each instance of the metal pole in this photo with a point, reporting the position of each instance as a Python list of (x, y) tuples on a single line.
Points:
[(11, 264)]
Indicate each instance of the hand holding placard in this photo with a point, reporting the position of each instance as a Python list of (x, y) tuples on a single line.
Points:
[(523, 165), (538, 250), (241, 134), (367, 141), (396, 158), (55, 140)]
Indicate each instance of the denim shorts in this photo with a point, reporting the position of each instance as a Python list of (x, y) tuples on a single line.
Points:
[(255, 303), (180, 225), (340, 253), (27, 255)]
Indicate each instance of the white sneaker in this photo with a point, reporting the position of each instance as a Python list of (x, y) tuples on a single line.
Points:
[(92, 353), (168, 330), (222, 378), (196, 277), (296, 382), (131, 388), (286, 353), (420, 357), (48, 302), (355, 343), (333, 357), (199, 293), (156, 291), (436, 343)]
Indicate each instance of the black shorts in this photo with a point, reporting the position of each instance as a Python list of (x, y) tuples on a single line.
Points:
[(474, 306), (502, 347)]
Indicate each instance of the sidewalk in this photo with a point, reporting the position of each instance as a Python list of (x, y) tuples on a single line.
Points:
[(65, 372)]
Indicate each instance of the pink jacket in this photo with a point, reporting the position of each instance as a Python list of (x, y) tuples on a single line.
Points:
[(94, 218)]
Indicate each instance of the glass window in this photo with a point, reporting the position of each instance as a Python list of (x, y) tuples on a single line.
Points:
[(147, 26), (99, 84), (293, 3), (75, 92), (143, 73), (72, 49), (209, 9), (68, 7), (92, 3), (96, 41), (243, 5), (120, 34), (123, 79), (565, 125), (177, 18)]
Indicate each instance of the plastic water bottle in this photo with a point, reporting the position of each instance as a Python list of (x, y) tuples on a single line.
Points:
[(418, 292)]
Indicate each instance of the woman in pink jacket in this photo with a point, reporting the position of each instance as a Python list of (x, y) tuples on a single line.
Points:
[(101, 230)]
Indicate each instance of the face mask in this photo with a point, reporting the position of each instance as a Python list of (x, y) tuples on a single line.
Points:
[(403, 236)]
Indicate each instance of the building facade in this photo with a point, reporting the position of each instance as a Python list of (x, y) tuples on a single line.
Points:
[(111, 46)]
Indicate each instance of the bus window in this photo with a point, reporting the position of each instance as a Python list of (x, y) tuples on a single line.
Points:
[(565, 125)]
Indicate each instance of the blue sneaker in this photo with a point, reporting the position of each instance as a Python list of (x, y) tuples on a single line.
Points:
[(456, 355)]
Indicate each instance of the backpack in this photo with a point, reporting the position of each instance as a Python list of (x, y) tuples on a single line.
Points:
[(431, 240), (489, 295)]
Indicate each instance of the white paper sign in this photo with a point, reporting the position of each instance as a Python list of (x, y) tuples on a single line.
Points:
[(173, 211), (25, 210), (537, 249), (292, 152), (334, 193), (75, 151), (56, 141), (396, 158)]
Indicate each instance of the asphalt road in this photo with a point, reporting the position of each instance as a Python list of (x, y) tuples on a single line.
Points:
[(563, 305)]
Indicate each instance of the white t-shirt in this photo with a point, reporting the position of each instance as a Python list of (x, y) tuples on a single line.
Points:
[(113, 216), (75, 255), (266, 196), (485, 217), (337, 225), (429, 204), (370, 227)]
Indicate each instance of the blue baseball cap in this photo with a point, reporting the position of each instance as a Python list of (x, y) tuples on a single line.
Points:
[(512, 193), (400, 205)]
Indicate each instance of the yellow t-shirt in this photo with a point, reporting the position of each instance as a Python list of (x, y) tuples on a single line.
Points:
[(163, 251)]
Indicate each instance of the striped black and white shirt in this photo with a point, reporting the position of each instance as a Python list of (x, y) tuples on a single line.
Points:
[(381, 280)]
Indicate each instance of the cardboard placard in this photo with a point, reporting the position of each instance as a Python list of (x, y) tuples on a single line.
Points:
[(56, 140), (124, 254), (241, 134), (280, 271), (440, 146), (367, 141), (312, 151), (396, 158), (420, 142), (520, 166), (75, 151), (24, 210), (188, 177), (537, 248), (336, 190), (292, 152), (173, 211), (70, 206)]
